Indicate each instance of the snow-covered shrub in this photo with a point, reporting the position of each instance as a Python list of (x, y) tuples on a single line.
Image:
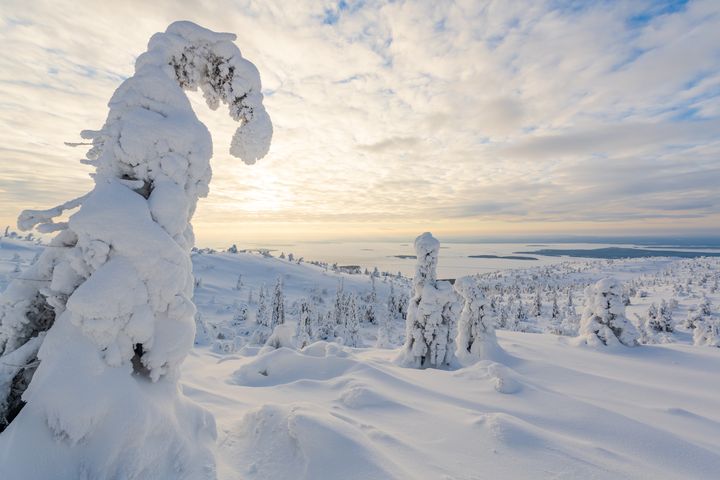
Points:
[(476, 332), (282, 336), (707, 332), (324, 326), (657, 325), (114, 293), (429, 323), (603, 321), (705, 307)]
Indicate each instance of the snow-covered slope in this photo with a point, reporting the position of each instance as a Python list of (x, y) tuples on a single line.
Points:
[(550, 409)]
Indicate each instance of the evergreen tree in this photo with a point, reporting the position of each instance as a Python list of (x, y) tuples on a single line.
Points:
[(603, 321), (111, 301), (707, 332), (555, 313), (261, 316), (536, 310), (277, 307), (429, 322), (476, 333), (304, 331), (351, 335)]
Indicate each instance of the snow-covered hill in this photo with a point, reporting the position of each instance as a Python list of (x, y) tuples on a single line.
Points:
[(549, 409)]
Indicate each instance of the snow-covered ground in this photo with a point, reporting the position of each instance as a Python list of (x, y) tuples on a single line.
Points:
[(549, 409)]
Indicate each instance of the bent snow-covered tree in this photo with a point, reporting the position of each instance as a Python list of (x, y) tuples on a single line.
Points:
[(429, 325), (603, 321), (93, 334), (476, 338)]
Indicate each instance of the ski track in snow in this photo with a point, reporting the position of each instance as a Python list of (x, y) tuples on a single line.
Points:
[(552, 410)]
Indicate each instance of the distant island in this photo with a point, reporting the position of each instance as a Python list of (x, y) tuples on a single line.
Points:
[(619, 252), (504, 257), (405, 257)]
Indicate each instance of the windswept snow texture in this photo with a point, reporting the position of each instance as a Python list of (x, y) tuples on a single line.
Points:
[(550, 409)]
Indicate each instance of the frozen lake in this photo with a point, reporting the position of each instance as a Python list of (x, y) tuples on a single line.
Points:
[(454, 260)]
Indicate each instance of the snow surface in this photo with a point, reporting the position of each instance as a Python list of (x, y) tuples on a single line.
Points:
[(546, 408)]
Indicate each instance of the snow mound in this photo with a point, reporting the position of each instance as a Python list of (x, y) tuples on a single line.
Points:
[(276, 441), (362, 396), (503, 379), (321, 361)]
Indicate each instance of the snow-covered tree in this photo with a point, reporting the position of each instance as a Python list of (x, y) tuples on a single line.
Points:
[(603, 321), (277, 307), (705, 307), (476, 332), (385, 332), (428, 328), (369, 314), (392, 306), (536, 306), (351, 331), (555, 309), (657, 324), (304, 333), (240, 314), (625, 297), (262, 316), (239, 282), (707, 332), (109, 312), (339, 309), (325, 326)]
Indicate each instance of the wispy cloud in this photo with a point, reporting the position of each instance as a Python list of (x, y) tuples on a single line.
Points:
[(458, 115)]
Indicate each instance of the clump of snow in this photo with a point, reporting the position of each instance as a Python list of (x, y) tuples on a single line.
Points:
[(114, 293)]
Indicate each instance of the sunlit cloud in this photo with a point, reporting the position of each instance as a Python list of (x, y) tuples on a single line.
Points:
[(463, 117)]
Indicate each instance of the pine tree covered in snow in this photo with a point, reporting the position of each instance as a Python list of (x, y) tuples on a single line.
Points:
[(325, 326), (536, 308), (304, 333), (555, 309), (707, 332), (109, 313), (370, 315), (429, 324), (476, 331), (262, 319), (392, 304), (603, 321), (277, 307), (351, 331)]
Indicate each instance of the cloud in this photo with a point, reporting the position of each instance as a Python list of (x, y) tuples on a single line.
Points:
[(447, 113)]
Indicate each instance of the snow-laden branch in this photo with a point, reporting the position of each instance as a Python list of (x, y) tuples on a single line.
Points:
[(44, 218)]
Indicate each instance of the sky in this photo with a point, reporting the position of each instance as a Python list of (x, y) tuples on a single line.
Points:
[(465, 118)]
